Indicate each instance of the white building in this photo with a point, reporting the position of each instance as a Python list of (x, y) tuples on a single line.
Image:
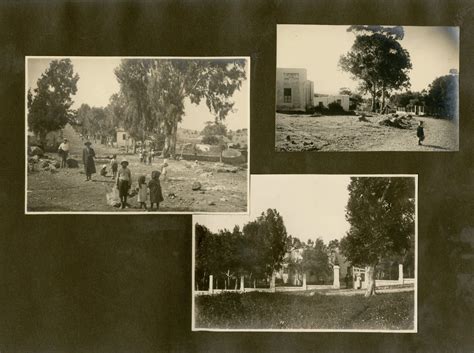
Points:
[(325, 100), (294, 92), (123, 138)]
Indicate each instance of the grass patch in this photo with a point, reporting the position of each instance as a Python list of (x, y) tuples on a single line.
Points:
[(390, 311)]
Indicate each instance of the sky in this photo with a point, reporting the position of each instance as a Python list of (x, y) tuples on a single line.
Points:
[(97, 82), (317, 48), (312, 206)]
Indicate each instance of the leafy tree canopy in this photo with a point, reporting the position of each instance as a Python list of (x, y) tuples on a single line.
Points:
[(49, 105)]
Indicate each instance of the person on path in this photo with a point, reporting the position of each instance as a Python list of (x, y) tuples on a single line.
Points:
[(420, 133), (114, 166), (88, 155), (142, 191), (63, 151), (124, 182), (154, 185)]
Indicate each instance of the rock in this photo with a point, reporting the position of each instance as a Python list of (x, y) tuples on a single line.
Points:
[(53, 169), (363, 119), (196, 186), (202, 192), (57, 164), (288, 138), (171, 195), (211, 203), (223, 199), (72, 163), (36, 151), (44, 164), (205, 175)]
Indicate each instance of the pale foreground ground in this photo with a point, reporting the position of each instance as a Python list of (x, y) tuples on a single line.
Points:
[(67, 189), (346, 133)]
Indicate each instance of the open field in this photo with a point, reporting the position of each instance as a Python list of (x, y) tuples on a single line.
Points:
[(389, 311), (347, 133), (224, 188)]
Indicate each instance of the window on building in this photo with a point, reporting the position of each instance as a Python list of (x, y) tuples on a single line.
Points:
[(287, 95), (339, 102), (124, 136), (321, 105)]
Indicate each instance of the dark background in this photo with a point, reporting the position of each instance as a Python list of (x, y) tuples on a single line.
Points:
[(81, 283)]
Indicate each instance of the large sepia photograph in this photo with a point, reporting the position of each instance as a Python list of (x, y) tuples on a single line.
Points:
[(367, 88), (129, 134), (316, 253)]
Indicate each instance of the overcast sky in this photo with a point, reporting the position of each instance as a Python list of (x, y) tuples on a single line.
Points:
[(433, 52), (311, 205), (97, 82)]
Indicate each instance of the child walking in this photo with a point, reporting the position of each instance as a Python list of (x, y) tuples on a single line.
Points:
[(114, 166), (142, 191), (124, 181), (420, 133), (155, 190)]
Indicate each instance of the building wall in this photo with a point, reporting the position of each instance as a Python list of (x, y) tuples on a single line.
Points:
[(326, 100), (294, 81), (123, 138)]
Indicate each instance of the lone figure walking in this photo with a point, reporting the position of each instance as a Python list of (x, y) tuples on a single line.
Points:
[(420, 133)]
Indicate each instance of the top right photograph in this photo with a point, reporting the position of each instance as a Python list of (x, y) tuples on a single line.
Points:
[(367, 88)]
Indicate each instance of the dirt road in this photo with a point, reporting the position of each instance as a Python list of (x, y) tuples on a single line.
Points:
[(346, 133)]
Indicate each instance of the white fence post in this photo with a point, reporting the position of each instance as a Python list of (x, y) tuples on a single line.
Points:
[(272, 283), (400, 273), (304, 282), (336, 284), (242, 284), (211, 284)]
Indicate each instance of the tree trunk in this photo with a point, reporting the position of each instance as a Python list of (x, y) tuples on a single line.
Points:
[(371, 281), (374, 99), (383, 98), (173, 138)]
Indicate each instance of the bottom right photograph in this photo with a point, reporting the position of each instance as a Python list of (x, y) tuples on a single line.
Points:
[(315, 253)]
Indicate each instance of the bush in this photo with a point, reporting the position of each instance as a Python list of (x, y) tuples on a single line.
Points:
[(210, 140), (335, 108)]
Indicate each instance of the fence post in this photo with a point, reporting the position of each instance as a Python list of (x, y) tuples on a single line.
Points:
[(400, 273), (242, 284), (304, 282), (211, 284), (272, 283), (336, 284)]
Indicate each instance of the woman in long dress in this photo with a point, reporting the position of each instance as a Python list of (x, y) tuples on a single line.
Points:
[(88, 155)]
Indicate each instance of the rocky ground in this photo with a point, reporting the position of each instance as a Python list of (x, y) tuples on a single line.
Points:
[(349, 133), (218, 187)]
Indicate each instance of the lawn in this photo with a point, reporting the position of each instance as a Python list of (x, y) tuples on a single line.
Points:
[(390, 311)]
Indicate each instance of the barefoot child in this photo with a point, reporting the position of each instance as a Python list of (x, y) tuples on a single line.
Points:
[(124, 181), (142, 192), (155, 190), (420, 133)]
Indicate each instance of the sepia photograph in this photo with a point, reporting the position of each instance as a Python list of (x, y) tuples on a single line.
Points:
[(137, 134), (367, 88), (316, 253)]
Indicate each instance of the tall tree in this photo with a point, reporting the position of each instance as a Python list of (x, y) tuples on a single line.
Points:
[(443, 96), (269, 236), (378, 60), (316, 260), (381, 213), (49, 105), (158, 88)]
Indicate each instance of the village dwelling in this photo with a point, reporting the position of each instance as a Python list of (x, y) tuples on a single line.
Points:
[(322, 100), (123, 138), (294, 92)]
